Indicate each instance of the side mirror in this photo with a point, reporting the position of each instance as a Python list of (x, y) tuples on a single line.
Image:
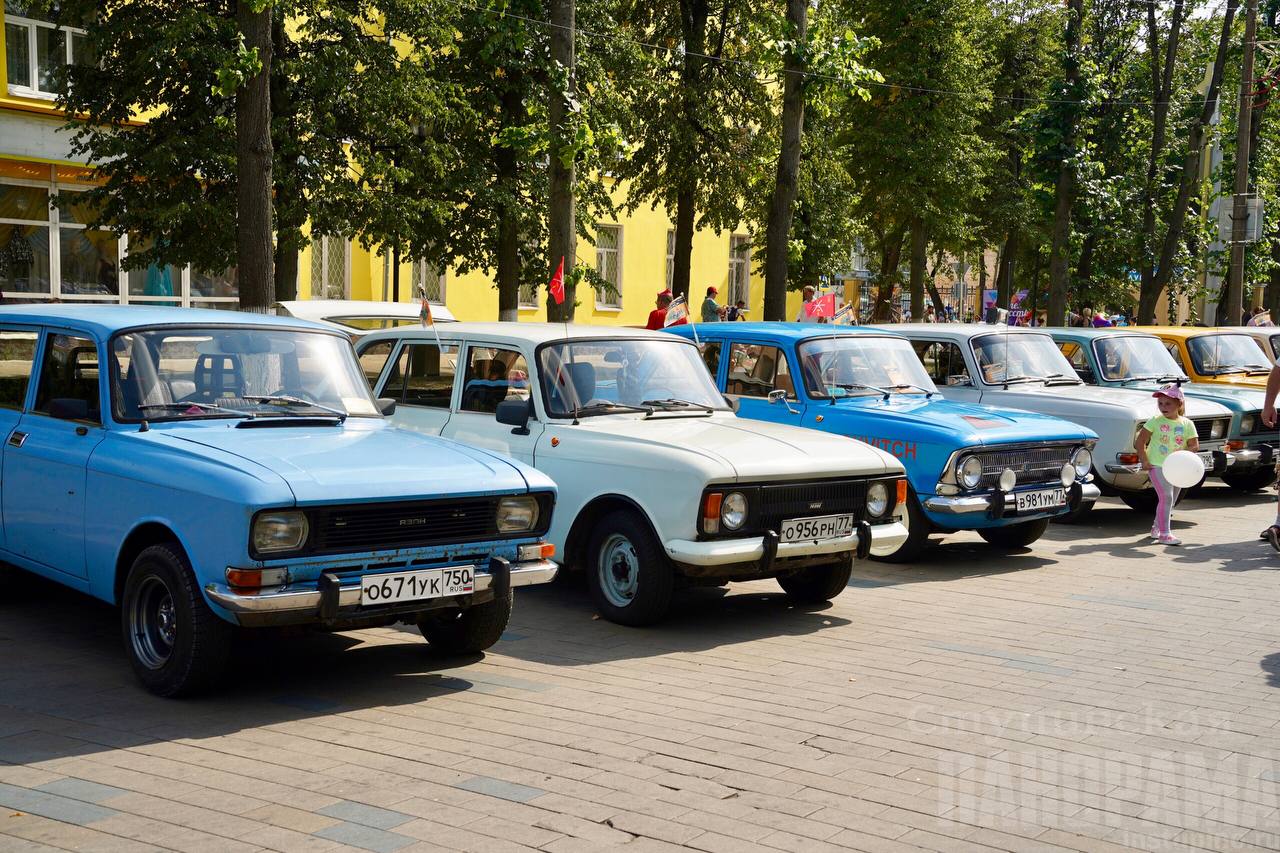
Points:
[(958, 379), (515, 413), (387, 405), (778, 396)]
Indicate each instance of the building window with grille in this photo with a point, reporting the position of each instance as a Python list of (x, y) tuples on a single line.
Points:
[(36, 49), (739, 270), (671, 256), (330, 277), (609, 266), (428, 279)]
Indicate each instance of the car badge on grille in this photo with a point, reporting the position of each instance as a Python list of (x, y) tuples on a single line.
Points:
[(815, 505), (1026, 466), (412, 522)]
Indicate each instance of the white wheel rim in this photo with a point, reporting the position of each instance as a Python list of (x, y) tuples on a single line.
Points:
[(618, 569)]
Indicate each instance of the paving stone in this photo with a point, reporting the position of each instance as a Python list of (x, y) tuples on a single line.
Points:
[(366, 837), (365, 815), (500, 788)]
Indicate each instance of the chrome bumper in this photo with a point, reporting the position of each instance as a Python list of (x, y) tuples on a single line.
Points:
[(724, 552), (300, 599), (965, 504), (1228, 459)]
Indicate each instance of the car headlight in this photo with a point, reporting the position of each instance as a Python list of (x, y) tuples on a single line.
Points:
[(517, 513), (1247, 424), (1218, 430), (733, 511), (275, 532), (969, 472), (1082, 461), (877, 500)]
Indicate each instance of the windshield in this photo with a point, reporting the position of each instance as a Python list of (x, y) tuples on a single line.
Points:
[(838, 367), (1021, 357), (619, 373), (1133, 357), (1214, 355), (374, 324), (192, 372)]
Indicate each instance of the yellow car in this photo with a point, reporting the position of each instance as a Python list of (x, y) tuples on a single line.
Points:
[(1227, 356)]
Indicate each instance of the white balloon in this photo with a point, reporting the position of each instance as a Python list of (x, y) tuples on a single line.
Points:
[(1183, 469)]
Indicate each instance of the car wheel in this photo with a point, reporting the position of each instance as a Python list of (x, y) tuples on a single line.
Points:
[(631, 579), (1254, 481), (1015, 535), (177, 645), (918, 530), (816, 584), (465, 632)]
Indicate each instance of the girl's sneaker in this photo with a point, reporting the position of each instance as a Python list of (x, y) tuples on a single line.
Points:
[(1169, 539), (1154, 534)]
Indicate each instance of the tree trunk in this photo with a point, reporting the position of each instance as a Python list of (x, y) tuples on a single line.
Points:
[(1060, 249), (562, 234), (508, 273), (1190, 178), (683, 253), (286, 271), (253, 167), (890, 260), (289, 211), (919, 247), (778, 228), (982, 280), (1004, 275), (1233, 297), (1161, 89)]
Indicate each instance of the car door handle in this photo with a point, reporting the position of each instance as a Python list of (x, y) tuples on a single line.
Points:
[(16, 438)]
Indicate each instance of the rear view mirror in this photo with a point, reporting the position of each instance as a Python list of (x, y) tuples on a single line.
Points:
[(958, 380), (733, 402), (387, 405), (515, 413), (778, 396)]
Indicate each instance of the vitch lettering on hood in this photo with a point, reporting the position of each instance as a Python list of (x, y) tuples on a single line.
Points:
[(894, 447)]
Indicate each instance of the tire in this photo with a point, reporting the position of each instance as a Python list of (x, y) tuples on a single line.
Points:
[(1077, 516), (1015, 535), (1254, 481), (630, 577), (918, 529), (817, 584), (466, 632), (1146, 500), (176, 644)]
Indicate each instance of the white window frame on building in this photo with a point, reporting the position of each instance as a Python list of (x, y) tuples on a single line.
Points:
[(324, 248), (31, 28), (671, 256), (739, 282), (431, 280), (188, 287), (609, 301)]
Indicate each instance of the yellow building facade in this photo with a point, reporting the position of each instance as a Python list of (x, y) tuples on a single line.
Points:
[(47, 252)]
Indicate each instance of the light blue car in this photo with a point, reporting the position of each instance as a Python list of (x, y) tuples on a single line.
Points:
[(207, 470), (1002, 473)]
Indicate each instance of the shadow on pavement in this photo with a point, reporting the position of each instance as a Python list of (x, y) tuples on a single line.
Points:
[(1271, 666)]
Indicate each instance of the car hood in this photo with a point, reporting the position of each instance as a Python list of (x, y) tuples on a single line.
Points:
[(966, 424), (1062, 398), (1241, 397), (750, 449), (361, 461)]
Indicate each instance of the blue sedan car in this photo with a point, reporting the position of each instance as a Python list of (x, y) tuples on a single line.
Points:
[(1002, 473), (208, 470)]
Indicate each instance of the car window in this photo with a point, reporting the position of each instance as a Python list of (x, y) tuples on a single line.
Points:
[(373, 359), (943, 361), (423, 375), (711, 357), (1177, 356), (17, 361), (68, 386), (493, 375), (755, 370)]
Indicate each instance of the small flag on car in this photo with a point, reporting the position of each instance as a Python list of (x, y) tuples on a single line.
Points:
[(844, 317), (823, 306), (556, 286), (677, 311), (425, 313)]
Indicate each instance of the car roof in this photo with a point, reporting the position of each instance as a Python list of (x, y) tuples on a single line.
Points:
[(105, 320), (1105, 331), (1191, 331), (793, 331), (536, 333), (957, 331), (318, 309)]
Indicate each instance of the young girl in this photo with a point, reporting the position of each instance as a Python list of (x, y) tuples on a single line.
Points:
[(1167, 432)]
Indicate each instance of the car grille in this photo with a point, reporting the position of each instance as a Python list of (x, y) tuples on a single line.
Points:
[(823, 497), (1031, 464), (1204, 428), (407, 524)]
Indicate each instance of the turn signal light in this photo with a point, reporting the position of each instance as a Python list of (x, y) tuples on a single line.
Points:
[(245, 580), (711, 512), (1127, 458), (902, 492), (536, 551), (1235, 445)]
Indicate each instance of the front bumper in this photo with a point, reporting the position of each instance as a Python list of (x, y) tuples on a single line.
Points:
[(767, 548), (330, 599), (988, 504), (1222, 460)]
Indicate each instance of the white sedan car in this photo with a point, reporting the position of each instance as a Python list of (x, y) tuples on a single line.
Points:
[(660, 482), (357, 318)]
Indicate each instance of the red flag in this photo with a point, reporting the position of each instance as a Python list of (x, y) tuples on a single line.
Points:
[(556, 287), (823, 306), (425, 313)]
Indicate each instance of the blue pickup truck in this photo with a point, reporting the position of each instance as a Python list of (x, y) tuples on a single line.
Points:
[(1002, 473), (209, 470)]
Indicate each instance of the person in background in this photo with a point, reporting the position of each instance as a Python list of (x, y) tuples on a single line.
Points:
[(737, 312), (712, 311), (1166, 433), (658, 316), (1261, 317), (1272, 533), (1100, 321), (928, 314), (803, 315)]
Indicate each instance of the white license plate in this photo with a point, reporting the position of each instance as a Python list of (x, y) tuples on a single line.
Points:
[(1206, 459), (411, 586), (816, 527), (1040, 500)]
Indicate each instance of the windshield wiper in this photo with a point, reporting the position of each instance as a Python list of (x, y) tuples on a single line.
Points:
[(605, 405), (675, 402), (849, 386), (191, 404), (1015, 379), (1221, 370), (927, 392), (289, 400), (1062, 379)]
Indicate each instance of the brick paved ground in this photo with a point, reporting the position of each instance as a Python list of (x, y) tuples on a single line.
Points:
[(1095, 693)]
